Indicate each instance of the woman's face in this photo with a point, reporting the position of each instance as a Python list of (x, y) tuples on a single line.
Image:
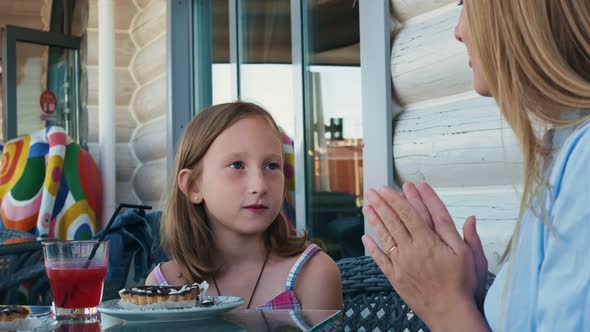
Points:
[(462, 34)]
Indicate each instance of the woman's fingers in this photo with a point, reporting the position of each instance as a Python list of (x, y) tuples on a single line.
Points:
[(384, 212), (479, 259), (474, 242), (383, 236), (412, 221), (441, 219), (413, 196), (382, 260)]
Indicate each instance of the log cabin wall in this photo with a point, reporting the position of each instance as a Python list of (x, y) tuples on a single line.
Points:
[(447, 135), (140, 110)]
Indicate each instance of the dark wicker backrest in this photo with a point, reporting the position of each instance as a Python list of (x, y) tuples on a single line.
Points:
[(22, 272), (370, 303)]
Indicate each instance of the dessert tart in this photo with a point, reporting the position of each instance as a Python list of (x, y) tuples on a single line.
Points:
[(143, 295), (9, 313)]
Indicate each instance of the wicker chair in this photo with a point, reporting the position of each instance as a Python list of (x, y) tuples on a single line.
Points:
[(22, 272), (371, 303)]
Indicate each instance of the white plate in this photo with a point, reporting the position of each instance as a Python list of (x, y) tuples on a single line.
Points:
[(33, 324), (222, 304)]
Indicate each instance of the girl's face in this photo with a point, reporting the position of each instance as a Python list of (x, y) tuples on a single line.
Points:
[(241, 183), (462, 34)]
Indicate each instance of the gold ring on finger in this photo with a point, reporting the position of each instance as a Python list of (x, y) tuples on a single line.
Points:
[(391, 249)]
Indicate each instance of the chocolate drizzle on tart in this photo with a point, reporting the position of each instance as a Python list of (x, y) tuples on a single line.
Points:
[(9, 313), (159, 290), (142, 295)]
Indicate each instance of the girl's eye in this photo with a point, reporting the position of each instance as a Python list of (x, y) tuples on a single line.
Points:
[(237, 165), (273, 166), (459, 2)]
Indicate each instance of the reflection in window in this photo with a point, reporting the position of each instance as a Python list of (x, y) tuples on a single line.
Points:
[(334, 127), (333, 117)]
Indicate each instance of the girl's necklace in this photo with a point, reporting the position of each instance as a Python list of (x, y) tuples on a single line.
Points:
[(255, 285)]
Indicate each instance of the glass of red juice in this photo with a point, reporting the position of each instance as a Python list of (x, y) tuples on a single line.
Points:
[(76, 277)]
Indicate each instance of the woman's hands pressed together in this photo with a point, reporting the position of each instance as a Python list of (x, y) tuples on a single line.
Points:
[(438, 274)]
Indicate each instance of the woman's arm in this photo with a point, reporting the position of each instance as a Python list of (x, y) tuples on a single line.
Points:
[(318, 285), (462, 317)]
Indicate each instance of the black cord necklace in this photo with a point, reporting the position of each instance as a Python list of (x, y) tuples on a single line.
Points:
[(255, 285)]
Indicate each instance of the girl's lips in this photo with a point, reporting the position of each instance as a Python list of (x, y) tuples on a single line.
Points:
[(256, 208)]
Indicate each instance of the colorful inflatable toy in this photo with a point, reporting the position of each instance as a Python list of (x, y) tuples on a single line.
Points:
[(49, 186)]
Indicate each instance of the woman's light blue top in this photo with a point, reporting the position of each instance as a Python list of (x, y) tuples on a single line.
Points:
[(549, 283)]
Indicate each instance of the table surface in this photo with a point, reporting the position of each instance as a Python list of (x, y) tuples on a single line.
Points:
[(234, 321), (231, 321)]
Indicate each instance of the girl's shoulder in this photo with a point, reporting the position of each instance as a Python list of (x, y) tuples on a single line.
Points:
[(309, 264), (319, 267), (169, 272), (319, 285)]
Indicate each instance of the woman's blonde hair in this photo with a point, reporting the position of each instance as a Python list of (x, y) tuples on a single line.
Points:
[(185, 230), (535, 58)]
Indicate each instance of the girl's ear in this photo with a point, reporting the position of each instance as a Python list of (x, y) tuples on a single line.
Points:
[(188, 187)]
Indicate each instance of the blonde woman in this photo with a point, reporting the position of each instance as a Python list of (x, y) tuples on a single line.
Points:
[(533, 57)]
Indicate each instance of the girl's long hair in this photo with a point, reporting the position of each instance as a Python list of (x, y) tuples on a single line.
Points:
[(185, 230), (535, 57)]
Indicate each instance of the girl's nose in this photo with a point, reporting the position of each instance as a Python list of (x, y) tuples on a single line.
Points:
[(257, 183)]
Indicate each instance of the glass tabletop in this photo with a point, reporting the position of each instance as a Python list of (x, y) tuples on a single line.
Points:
[(233, 321)]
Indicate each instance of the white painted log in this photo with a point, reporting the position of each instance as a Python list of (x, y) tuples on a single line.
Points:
[(24, 8), (125, 124), (408, 9), (461, 142), (125, 193), (32, 22), (150, 61), (126, 162), (124, 48), (149, 23), (426, 60), (495, 208), (125, 86), (149, 142), (150, 100), (142, 3), (123, 14), (157, 205), (92, 14), (149, 182)]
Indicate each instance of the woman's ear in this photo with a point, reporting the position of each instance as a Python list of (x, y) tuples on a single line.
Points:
[(188, 187)]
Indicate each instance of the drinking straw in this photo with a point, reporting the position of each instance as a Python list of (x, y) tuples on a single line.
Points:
[(109, 224), (104, 233)]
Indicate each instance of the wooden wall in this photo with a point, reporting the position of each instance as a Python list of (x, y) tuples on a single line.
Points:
[(446, 134), (140, 113)]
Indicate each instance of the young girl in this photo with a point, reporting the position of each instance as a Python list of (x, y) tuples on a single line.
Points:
[(223, 222)]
